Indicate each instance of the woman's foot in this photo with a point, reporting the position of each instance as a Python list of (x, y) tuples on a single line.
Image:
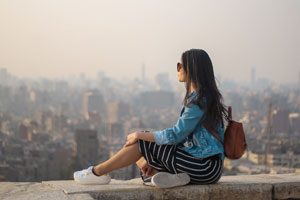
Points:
[(146, 179), (168, 180), (87, 177)]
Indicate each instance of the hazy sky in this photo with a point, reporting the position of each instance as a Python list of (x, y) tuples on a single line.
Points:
[(60, 38)]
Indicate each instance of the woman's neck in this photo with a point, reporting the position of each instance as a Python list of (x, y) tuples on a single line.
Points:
[(193, 88)]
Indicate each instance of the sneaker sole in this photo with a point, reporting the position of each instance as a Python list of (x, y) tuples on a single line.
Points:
[(91, 183), (167, 180), (102, 181)]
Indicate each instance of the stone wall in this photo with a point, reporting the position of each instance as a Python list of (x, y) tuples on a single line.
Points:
[(264, 186)]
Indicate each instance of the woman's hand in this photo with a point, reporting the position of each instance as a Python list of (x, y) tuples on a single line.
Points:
[(147, 170), (131, 139)]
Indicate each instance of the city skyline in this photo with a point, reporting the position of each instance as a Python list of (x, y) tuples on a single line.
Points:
[(56, 39), (42, 122)]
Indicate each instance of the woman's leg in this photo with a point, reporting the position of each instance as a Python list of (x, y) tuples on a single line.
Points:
[(126, 156)]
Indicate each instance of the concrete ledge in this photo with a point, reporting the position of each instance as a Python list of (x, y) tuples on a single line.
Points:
[(284, 186)]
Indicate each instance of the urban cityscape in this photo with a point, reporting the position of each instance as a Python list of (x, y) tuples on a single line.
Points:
[(50, 128)]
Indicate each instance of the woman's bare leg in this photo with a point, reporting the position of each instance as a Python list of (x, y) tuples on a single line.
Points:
[(140, 162), (126, 156)]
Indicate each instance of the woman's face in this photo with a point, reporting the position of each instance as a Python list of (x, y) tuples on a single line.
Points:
[(181, 73)]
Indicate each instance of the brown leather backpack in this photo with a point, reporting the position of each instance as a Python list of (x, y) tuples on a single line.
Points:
[(234, 138)]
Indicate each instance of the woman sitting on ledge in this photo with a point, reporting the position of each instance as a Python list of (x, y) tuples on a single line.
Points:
[(185, 153)]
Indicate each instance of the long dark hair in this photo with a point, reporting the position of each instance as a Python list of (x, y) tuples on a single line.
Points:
[(199, 71)]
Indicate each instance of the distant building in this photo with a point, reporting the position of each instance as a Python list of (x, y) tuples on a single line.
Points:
[(45, 118), (4, 75), (280, 121), (253, 76), (59, 162), (59, 123), (21, 101), (256, 158), (295, 122), (117, 111), (24, 132), (95, 119), (87, 146), (286, 160), (116, 134), (93, 102)]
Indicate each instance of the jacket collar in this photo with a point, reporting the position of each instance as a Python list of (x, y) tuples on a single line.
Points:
[(192, 94)]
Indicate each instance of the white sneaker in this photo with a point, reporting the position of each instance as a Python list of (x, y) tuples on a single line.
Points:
[(87, 177), (168, 180)]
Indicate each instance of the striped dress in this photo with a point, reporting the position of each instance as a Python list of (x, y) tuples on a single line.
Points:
[(173, 159)]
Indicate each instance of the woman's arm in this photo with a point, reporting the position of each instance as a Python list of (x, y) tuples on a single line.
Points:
[(185, 125), (146, 135), (142, 135)]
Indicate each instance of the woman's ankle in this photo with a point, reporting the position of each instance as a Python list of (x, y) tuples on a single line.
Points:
[(94, 172)]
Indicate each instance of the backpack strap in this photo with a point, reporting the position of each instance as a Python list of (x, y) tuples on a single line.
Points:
[(229, 117), (213, 132)]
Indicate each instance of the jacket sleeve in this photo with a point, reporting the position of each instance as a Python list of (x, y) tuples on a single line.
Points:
[(185, 125)]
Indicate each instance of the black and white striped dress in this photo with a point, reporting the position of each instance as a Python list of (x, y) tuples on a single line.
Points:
[(173, 159)]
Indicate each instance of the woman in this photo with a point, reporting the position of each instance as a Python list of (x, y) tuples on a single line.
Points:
[(185, 153)]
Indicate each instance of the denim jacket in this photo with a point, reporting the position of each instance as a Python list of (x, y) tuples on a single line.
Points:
[(190, 135)]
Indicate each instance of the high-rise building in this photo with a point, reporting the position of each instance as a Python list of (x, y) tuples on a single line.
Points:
[(280, 121), (295, 122), (24, 132), (117, 111), (87, 146), (116, 133), (93, 102), (3, 75), (253, 75)]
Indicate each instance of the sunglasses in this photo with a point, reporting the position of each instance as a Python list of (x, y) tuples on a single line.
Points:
[(179, 66)]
